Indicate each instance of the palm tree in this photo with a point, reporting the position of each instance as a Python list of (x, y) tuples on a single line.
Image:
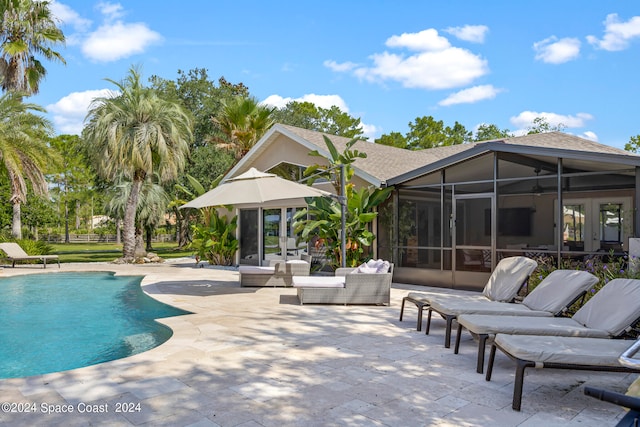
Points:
[(152, 206), (136, 133), (243, 121), (23, 151), (27, 29)]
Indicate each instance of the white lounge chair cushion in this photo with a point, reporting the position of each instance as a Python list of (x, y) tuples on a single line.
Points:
[(564, 350), (318, 281), (255, 269), (426, 297), (296, 261), (525, 325), (613, 308), (508, 277), (558, 289), (456, 306)]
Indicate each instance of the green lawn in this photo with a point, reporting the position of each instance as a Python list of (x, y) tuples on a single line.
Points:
[(107, 252)]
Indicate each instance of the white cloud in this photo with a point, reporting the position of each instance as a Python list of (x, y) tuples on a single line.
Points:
[(525, 119), (69, 112), (471, 95), (334, 66), (617, 35), (425, 40), (435, 65), (69, 16), (119, 40), (113, 40), (110, 11), (469, 33), (590, 135), (370, 131), (557, 51)]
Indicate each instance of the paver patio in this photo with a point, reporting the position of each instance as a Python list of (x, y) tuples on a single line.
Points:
[(255, 357)]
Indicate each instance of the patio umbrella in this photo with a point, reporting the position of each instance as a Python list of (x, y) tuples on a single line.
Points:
[(259, 189), (255, 188)]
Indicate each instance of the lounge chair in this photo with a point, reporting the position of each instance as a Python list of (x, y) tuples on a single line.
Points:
[(552, 297), (278, 273), (15, 253), (504, 283), (610, 313), (347, 286), (555, 352)]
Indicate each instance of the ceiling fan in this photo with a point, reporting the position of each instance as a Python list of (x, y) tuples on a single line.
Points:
[(537, 188)]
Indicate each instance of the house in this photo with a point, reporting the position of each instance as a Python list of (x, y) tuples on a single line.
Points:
[(457, 210)]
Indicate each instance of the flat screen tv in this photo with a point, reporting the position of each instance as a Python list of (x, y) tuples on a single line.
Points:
[(511, 222)]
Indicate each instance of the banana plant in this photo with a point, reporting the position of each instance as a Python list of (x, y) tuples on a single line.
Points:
[(321, 220)]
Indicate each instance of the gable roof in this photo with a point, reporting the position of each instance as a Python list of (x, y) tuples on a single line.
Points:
[(386, 165)]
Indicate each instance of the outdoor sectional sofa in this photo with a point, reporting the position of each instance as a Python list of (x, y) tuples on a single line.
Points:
[(347, 286), (278, 273)]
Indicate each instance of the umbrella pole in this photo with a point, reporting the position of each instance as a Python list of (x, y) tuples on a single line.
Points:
[(343, 209)]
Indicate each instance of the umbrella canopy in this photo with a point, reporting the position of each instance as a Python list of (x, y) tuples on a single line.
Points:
[(255, 188)]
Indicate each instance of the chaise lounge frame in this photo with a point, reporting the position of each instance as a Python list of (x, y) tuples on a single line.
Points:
[(15, 253), (523, 364)]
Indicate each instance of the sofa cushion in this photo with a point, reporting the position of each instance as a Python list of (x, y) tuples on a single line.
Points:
[(255, 269), (318, 281)]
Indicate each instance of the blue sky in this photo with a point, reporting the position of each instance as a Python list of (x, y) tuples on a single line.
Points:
[(387, 62)]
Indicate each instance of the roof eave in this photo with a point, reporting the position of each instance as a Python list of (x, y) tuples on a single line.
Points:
[(497, 146)]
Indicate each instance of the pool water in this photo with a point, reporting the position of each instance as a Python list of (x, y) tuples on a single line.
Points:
[(59, 321)]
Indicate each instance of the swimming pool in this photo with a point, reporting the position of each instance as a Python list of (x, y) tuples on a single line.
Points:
[(61, 321)]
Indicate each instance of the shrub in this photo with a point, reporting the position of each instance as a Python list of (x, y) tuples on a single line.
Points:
[(216, 243), (605, 267)]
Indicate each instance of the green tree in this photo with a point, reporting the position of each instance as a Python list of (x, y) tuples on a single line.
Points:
[(151, 210), (73, 178), (27, 30), (488, 132), (394, 139), (307, 115), (243, 121), (24, 152), (633, 145), (207, 163), (428, 132), (201, 97), (541, 125), (136, 134)]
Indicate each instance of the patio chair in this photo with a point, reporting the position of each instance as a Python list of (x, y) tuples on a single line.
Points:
[(15, 253), (610, 313), (504, 283), (556, 352), (552, 297)]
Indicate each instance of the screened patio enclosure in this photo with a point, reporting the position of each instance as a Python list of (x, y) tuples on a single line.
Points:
[(451, 222)]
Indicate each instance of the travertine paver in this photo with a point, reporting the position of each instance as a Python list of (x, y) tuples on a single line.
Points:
[(255, 357)]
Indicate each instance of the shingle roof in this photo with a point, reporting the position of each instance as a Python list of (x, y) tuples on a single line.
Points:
[(562, 141), (385, 162)]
